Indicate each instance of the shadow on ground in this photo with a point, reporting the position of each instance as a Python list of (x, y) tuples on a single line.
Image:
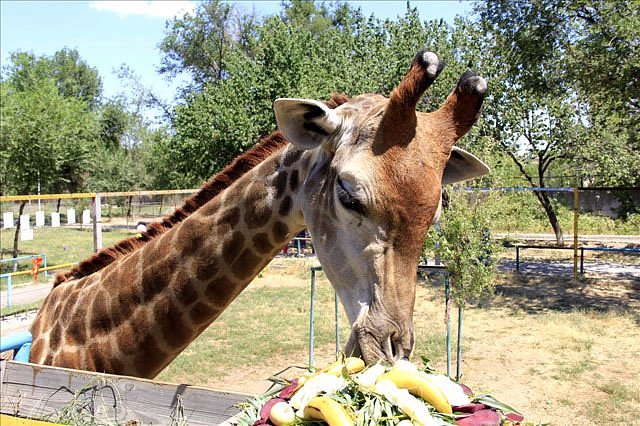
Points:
[(535, 291), (537, 294)]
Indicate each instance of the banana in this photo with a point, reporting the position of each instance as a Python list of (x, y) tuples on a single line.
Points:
[(413, 407), (351, 364), (420, 386), (329, 410)]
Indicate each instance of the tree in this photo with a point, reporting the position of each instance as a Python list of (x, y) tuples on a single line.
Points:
[(72, 76), (587, 54), (348, 53), (198, 44), (47, 139), (462, 241), (113, 122), (543, 110)]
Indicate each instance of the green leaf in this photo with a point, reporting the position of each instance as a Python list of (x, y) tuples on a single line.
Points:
[(492, 402)]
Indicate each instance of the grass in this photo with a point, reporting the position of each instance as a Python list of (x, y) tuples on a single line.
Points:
[(565, 356), (565, 367), (262, 323), (575, 365), (17, 309)]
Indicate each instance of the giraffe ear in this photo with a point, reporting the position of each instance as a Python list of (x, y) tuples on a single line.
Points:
[(305, 123), (462, 166)]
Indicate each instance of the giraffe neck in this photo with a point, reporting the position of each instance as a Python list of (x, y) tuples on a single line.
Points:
[(147, 307)]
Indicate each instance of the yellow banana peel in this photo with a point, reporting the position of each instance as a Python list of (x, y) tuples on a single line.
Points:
[(329, 410), (351, 364), (420, 386)]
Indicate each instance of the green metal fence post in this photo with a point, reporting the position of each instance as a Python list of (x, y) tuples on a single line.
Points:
[(459, 354), (447, 298), (312, 315)]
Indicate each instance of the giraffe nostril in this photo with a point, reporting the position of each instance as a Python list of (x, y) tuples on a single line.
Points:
[(395, 350), (398, 350)]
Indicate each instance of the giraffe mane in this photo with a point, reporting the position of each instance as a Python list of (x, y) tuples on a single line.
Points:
[(207, 192), (221, 181)]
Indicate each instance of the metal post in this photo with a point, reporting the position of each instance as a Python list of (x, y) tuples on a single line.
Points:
[(9, 291), (576, 208), (517, 258), (581, 260), (459, 354), (312, 315), (447, 300), (337, 325), (46, 271), (97, 223), (299, 247)]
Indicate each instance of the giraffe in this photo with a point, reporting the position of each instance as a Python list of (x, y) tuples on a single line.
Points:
[(363, 175)]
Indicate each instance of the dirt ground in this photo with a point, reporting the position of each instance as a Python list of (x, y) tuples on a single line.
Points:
[(561, 353)]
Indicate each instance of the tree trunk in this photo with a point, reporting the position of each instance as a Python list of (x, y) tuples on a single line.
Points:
[(129, 207), (551, 214), (15, 237)]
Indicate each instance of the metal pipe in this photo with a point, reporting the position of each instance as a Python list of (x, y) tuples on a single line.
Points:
[(312, 315), (459, 354), (576, 213), (9, 291), (14, 341), (447, 300), (337, 324)]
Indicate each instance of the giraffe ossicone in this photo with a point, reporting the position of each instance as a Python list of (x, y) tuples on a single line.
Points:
[(364, 175)]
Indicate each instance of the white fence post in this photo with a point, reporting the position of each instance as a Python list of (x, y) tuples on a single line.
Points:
[(97, 223)]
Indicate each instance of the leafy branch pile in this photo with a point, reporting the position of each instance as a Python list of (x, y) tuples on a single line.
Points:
[(347, 394)]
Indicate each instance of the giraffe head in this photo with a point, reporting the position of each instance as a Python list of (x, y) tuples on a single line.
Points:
[(372, 191)]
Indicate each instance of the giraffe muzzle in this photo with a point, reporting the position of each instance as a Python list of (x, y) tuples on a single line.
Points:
[(374, 343)]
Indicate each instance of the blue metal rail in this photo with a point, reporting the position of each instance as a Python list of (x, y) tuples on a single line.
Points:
[(19, 343)]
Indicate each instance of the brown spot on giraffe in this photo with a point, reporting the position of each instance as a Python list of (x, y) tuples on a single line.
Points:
[(260, 213), (280, 232), (293, 181), (245, 265), (232, 247), (202, 313), (261, 243), (228, 219), (280, 184), (184, 287), (285, 206)]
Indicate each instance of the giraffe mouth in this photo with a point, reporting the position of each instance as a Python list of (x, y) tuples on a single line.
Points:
[(372, 348)]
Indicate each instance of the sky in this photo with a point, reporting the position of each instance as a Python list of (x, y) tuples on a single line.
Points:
[(108, 34)]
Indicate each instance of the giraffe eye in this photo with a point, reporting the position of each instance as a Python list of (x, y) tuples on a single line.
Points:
[(347, 199)]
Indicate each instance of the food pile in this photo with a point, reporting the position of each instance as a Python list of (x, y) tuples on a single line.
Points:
[(347, 394)]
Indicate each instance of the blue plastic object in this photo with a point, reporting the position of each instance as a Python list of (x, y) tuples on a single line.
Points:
[(20, 343)]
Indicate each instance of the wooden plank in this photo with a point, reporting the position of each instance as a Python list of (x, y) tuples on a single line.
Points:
[(37, 391)]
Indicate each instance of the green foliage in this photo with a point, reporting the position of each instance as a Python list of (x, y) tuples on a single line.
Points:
[(45, 137), (462, 241), (72, 76), (344, 52), (579, 62), (198, 44), (113, 122)]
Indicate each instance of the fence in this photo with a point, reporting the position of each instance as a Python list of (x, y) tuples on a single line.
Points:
[(54, 220), (597, 224)]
